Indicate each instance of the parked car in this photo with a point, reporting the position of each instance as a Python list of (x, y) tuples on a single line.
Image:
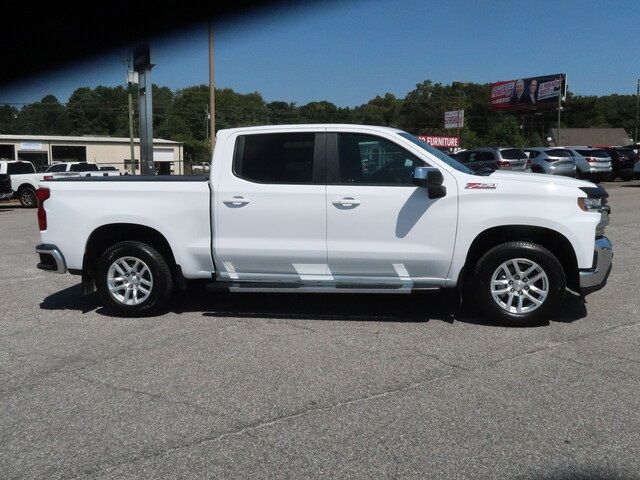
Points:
[(24, 180), (505, 157), (623, 161), (74, 169), (5, 187), (591, 163), (479, 162), (295, 210), (552, 161)]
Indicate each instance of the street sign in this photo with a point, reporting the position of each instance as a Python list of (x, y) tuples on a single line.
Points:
[(454, 119)]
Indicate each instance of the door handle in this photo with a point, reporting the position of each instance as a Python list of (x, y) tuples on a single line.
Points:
[(346, 202), (236, 201)]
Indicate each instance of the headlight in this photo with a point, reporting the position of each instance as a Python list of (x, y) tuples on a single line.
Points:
[(590, 204)]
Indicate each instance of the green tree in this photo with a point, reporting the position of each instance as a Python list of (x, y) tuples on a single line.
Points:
[(46, 117), (8, 119)]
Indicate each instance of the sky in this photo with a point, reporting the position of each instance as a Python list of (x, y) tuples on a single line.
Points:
[(347, 52)]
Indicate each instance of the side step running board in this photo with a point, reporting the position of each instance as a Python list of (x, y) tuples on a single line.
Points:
[(267, 287)]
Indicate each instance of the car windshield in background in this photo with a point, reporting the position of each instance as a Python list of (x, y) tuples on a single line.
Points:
[(512, 154), (84, 167), (594, 153), (452, 162), (559, 153), (627, 152)]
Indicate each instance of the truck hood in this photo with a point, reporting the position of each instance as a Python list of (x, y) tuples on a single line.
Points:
[(538, 178)]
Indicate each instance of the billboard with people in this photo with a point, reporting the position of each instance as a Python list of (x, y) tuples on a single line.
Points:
[(534, 93)]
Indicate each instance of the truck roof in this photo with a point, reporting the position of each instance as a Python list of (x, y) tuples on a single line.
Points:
[(308, 126)]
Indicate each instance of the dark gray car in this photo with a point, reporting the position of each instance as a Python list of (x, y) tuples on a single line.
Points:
[(505, 157)]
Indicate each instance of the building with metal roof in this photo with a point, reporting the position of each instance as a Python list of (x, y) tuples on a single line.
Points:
[(43, 150)]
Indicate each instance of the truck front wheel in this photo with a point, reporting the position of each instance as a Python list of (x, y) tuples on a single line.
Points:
[(133, 279), (519, 283)]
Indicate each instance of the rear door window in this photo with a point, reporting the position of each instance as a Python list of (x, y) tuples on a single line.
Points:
[(280, 158), (20, 168)]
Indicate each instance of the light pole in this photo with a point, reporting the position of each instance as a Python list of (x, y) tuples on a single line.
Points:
[(132, 79), (637, 108), (212, 91), (142, 64)]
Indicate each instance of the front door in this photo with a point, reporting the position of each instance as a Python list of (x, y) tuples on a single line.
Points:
[(270, 210), (380, 227)]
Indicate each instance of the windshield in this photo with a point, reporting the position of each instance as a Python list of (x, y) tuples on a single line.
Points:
[(558, 152), (594, 153), (84, 167), (513, 154), (453, 163)]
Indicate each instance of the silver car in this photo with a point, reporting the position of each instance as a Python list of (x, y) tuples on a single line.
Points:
[(508, 158), (591, 163), (553, 161)]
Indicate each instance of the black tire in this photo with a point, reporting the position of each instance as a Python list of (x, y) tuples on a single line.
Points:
[(162, 281), (495, 258), (27, 197)]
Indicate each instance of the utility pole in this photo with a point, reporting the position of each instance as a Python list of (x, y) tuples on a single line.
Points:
[(637, 108), (558, 142), (132, 79), (142, 64), (212, 91)]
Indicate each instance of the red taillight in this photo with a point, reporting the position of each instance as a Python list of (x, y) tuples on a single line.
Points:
[(48, 177), (42, 194), (503, 164), (590, 159), (528, 164)]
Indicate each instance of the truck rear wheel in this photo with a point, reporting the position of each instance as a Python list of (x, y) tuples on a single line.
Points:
[(133, 280), (27, 197), (519, 283)]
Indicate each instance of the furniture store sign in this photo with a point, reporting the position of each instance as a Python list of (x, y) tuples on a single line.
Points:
[(440, 142)]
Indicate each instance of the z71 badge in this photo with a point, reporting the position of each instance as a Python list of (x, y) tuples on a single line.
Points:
[(481, 186)]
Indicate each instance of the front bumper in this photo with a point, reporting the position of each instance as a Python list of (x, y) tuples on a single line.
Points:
[(593, 279), (6, 195), (51, 259)]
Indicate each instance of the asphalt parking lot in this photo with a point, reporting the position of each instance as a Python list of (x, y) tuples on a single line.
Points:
[(303, 386)]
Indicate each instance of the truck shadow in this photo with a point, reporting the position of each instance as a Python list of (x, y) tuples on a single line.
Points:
[(416, 308)]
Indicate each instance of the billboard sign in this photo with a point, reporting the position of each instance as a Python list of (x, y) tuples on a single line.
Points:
[(440, 141), (533, 93), (454, 119)]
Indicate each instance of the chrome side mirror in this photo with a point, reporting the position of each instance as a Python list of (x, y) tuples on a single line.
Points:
[(430, 178)]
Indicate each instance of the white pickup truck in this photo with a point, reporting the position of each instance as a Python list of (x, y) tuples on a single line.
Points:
[(23, 178), (330, 208)]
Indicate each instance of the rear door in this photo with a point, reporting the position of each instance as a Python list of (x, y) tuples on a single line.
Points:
[(381, 228), (270, 222)]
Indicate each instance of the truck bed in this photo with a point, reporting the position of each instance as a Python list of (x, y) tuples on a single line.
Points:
[(177, 207)]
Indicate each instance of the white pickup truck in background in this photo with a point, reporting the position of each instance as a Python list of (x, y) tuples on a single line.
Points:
[(330, 208), (24, 180)]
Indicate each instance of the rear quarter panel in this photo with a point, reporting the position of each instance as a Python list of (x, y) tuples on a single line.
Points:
[(178, 210)]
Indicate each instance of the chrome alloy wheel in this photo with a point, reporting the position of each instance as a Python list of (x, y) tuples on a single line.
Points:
[(519, 285), (129, 280)]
